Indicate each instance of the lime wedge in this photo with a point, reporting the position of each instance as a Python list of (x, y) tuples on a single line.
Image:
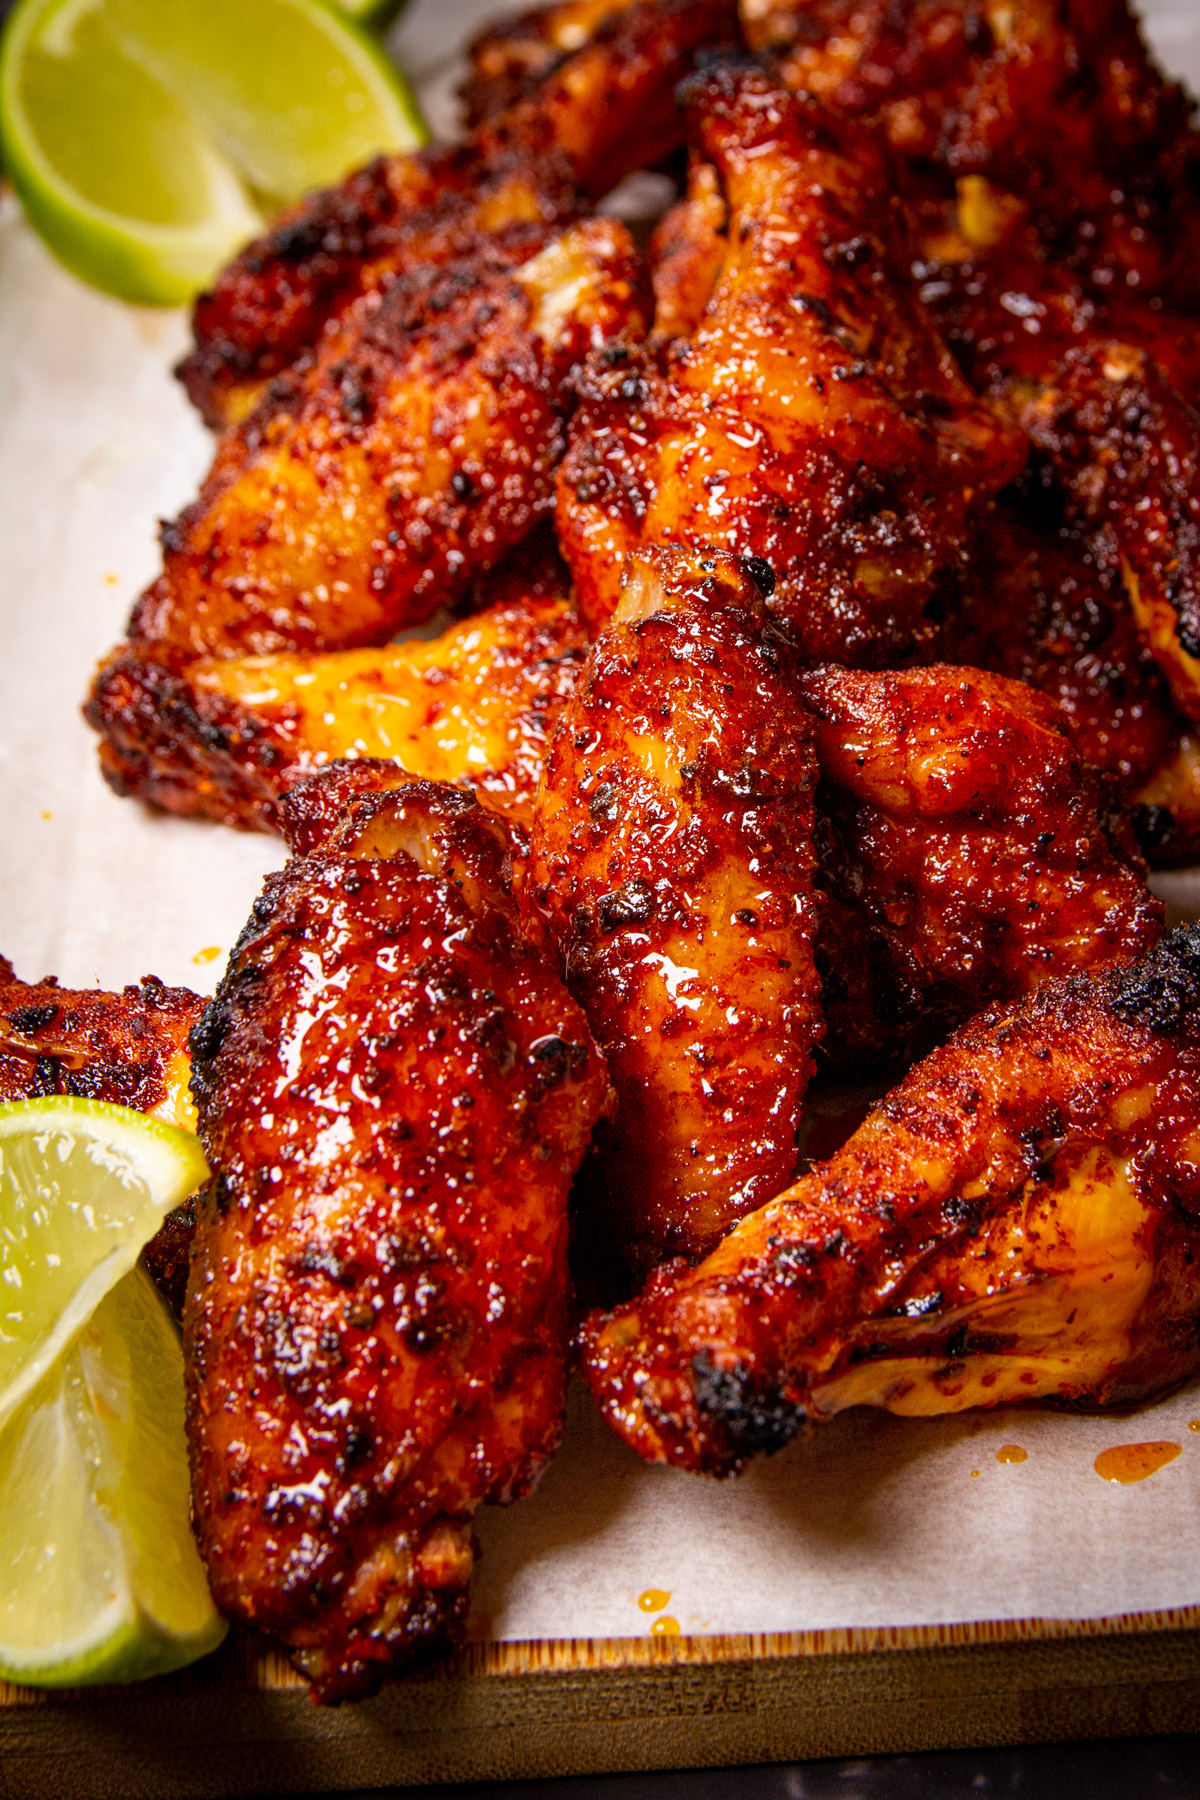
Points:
[(375, 13), (100, 1579), (149, 138), (82, 1187)]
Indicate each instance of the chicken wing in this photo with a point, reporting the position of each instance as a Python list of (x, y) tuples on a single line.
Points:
[(1016, 1221), (1045, 605), (671, 855), (418, 449), (814, 419), (395, 1090), (225, 737), (602, 112), (129, 1049), (962, 856)]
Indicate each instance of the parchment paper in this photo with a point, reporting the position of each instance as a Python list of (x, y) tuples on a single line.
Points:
[(872, 1521)]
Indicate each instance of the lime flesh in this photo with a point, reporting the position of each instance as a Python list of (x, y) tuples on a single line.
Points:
[(149, 138), (82, 1187), (100, 1579)]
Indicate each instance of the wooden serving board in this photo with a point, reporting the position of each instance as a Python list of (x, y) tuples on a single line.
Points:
[(242, 1723)]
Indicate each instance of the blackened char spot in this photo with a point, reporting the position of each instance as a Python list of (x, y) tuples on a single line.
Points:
[(1162, 991), (631, 904), (29, 1020), (752, 1420)]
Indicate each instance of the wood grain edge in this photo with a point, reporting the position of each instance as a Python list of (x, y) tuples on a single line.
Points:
[(241, 1724)]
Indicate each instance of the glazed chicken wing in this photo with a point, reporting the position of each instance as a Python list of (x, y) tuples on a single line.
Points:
[(419, 448), (592, 119), (671, 854), (1045, 604), (128, 1049), (962, 856), (225, 737), (1016, 1221), (394, 1090), (813, 419)]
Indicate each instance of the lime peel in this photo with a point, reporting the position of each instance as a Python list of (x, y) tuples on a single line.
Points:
[(83, 1186), (149, 138), (100, 1578)]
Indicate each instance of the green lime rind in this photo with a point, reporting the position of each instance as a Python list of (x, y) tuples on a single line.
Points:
[(378, 14), (100, 1578), (83, 1186), (148, 139)]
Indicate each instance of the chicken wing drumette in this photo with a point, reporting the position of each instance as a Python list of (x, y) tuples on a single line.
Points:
[(671, 855), (813, 418), (1016, 1221), (394, 1090), (963, 856)]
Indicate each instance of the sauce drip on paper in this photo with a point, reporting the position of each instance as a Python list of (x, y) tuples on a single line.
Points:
[(1135, 1462), (665, 1627), (1011, 1453), (653, 1600)]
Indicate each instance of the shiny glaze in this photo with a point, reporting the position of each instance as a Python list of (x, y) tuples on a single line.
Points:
[(813, 419), (1018, 1219), (963, 858), (395, 1089), (671, 855), (418, 447), (225, 737)]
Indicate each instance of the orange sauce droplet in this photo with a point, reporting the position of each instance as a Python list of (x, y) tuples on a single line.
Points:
[(1011, 1453), (47, 815), (975, 1472), (1134, 1462), (1194, 1424), (665, 1627), (653, 1600), (207, 955)]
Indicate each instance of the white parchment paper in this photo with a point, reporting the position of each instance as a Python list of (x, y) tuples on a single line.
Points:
[(872, 1521)]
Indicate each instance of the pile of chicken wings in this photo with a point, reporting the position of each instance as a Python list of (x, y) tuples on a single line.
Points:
[(819, 676)]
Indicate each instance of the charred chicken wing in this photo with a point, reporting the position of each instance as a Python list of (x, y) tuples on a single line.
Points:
[(418, 449), (225, 737), (394, 1090), (1016, 1221), (962, 856), (813, 419), (671, 854)]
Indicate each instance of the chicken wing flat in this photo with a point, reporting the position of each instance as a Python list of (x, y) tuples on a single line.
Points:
[(225, 737), (595, 117), (671, 854), (1016, 1221), (418, 449), (129, 1049), (394, 1089), (1046, 605), (814, 419), (962, 856)]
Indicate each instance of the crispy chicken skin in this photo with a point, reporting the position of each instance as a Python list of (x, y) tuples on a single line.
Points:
[(1016, 1221), (419, 448), (1056, 101), (129, 1049), (394, 1089), (511, 60), (962, 856), (1045, 605), (814, 418), (671, 855), (596, 116), (225, 737)]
